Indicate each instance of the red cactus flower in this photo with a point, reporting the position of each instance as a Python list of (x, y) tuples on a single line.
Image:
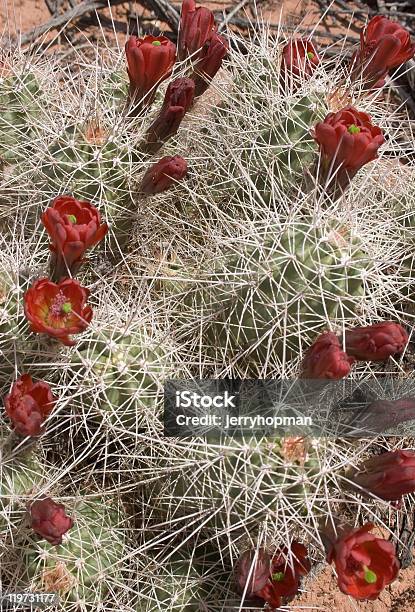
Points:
[(384, 45), (389, 476), (347, 140), (286, 571), (326, 359), (252, 571), (73, 227), (196, 27), (28, 404), (376, 342), (150, 61), (365, 564), (49, 520), (58, 310), (383, 415), (177, 101), (299, 58), (210, 60), (163, 174)]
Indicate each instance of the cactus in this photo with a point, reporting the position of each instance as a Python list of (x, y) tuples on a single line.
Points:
[(236, 483), (19, 107), (84, 161), (117, 375), (283, 149), (12, 325), (21, 476), (88, 561), (263, 261), (177, 582), (255, 298)]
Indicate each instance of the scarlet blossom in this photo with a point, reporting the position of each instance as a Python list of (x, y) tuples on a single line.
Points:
[(383, 415), (49, 520), (28, 404), (163, 174), (150, 61), (58, 310), (376, 342), (389, 475), (196, 27), (73, 227), (299, 58), (347, 140), (326, 359), (210, 60), (365, 564), (177, 101), (384, 44), (252, 571), (286, 571)]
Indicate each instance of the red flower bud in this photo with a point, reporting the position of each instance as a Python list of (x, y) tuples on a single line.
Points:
[(196, 27), (49, 520), (150, 61), (210, 60), (177, 101), (286, 571), (326, 359), (389, 476), (58, 310), (384, 45), (252, 571), (365, 564), (73, 227), (347, 142), (299, 58), (163, 174), (28, 404), (376, 342), (383, 415)]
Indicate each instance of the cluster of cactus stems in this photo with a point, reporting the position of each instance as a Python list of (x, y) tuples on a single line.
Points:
[(238, 224)]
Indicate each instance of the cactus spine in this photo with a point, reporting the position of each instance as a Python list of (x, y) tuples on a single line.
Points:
[(79, 568)]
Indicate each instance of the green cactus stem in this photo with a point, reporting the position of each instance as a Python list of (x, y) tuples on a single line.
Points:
[(89, 559)]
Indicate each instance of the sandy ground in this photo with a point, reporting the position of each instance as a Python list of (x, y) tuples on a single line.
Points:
[(323, 594), (18, 16)]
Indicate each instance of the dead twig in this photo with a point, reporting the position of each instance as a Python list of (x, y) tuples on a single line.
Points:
[(163, 11), (63, 20), (232, 13)]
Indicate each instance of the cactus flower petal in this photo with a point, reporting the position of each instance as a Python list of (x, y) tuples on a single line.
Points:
[(150, 61), (45, 306), (177, 101), (28, 404), (326, 359), (299, 58), (365, 564), (163, 174), (384, 45), (211, 56), (347, 140), (390, 475), (49, 520), (73, 227), (376, 342), (196, 27)]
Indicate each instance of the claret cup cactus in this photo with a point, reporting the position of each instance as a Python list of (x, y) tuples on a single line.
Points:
[(115, 375), (208, 214), (255, 299), (81, 568)]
